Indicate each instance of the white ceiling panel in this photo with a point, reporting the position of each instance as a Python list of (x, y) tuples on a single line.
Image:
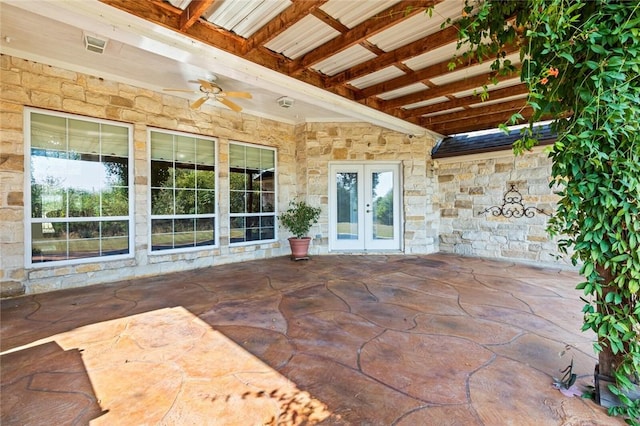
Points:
[(416, 27), (490, 87), (353, 12), (417, 87), (425, 103), (344, 60), (244, 17), (377, 77), (470, 72), (302, 37), (441, 54), (497, 101), (447, 111)]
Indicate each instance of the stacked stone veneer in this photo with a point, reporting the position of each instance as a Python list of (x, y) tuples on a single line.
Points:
[(304, 152), (467, 185)]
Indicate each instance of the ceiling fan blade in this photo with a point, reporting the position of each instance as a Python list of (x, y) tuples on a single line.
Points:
[(230, 104), (206, 84), (245, 95), (199, 102), (179, 90)]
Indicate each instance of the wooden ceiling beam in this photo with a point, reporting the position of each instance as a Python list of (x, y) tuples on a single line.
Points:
[(391, 16), (478, 123), (446, 89), (408, 51), (193, 12), (330, 20), (465, 101)]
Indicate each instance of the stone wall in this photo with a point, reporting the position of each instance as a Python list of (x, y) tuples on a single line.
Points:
[(468, 185), (303, 155)]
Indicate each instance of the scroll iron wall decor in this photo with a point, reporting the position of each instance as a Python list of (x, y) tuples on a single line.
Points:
[(512, 206)]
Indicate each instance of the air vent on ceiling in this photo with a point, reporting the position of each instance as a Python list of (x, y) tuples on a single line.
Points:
[(94, 43)]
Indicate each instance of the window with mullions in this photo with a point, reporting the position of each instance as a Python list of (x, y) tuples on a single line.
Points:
[(80, 205), (252, 193), (183, 191)]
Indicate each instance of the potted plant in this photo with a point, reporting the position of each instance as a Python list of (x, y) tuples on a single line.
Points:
[(298, 220)]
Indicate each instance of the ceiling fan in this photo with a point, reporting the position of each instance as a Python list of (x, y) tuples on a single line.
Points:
[(211, 90)]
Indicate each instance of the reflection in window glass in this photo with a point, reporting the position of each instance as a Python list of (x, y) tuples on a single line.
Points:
[(183, 198), (252, 193), (79, 172)]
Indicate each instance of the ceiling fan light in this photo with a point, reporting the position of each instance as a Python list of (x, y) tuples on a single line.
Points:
[(285, 102)]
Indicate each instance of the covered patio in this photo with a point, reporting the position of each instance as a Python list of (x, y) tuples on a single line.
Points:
[(365, 340)]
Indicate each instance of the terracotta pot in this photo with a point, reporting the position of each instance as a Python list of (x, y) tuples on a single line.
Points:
[(299, 248)]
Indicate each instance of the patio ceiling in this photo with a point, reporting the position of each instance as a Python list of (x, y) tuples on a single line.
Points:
[(389, 55)]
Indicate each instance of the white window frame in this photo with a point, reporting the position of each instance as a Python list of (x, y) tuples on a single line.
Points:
[(215, 215), (275, 191), (28, 111)]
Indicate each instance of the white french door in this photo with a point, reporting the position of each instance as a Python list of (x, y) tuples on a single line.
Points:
[(364, 200)]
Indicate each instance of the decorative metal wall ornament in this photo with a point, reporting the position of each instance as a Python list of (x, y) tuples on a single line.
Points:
[(512, 206)]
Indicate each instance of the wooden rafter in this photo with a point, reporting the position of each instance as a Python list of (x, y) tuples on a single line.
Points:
[(511, 106), (193, 12)]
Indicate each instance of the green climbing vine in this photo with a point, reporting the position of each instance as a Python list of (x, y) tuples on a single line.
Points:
[(581, 62)]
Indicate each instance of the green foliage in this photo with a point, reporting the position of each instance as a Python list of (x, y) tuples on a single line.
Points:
[(299, 217), (581, 62)]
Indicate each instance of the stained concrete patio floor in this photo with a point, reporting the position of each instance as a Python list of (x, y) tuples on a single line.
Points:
[(361, 340)]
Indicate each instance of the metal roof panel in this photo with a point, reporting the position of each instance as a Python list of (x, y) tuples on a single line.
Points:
[(352, 13), (344, 60), (302, 37)]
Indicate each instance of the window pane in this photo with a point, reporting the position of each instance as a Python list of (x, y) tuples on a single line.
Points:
[(184, 233), (237, 181), (205, 152), (185, 175), (206, 202), (267, 160), (84, 203), (161, 174), (115, 245), (84, 137), (115, 228), (161, 201), (236, 225), (205, 178), (236, 156), (48, 132), (252, 160), (253, 202), (115, 201), (237, 202), (161, 146), (185, 201), (162, 234), (268, 202), (115, 140), (205, 231), (185, 149), (116, 171), (84, 239)]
